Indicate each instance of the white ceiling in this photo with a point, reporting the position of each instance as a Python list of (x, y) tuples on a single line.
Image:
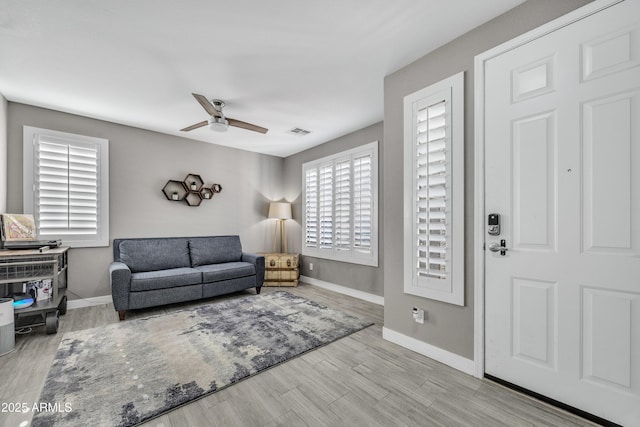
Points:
[(317, 65)]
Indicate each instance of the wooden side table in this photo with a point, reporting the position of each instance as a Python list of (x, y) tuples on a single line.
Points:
[(281, 269)]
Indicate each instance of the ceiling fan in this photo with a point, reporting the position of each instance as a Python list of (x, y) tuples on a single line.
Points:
[(218, 121)]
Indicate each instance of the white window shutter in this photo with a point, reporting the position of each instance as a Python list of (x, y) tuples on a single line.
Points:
[(311, 208), (363, 203), (66, 186), (433, 194), (342, 200), (325, 206), (434, 198), (340, 196), (52, 188)]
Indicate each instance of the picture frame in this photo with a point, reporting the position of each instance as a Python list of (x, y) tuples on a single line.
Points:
[(18, 227)]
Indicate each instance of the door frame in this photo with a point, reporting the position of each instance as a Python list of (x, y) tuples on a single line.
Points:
[(479, 172)]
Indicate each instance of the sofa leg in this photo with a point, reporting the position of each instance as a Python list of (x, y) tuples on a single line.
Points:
[(258, 289), (121, 314)]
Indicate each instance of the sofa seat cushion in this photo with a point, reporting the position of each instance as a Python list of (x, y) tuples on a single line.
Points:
[(226, 271), (155, 254), (163, 279)]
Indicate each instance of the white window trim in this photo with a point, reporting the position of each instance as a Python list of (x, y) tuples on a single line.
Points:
[(28, 161), (350, 256), (453, 292)]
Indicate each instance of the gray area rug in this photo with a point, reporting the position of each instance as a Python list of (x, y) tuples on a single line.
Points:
[(127, 373)]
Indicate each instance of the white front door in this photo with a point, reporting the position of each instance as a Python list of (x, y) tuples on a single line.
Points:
[(562, 162)]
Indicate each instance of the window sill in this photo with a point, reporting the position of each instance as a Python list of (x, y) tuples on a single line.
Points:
[(329, 254)]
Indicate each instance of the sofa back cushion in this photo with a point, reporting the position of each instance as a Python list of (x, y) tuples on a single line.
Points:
[(215, 250), (154, 254)]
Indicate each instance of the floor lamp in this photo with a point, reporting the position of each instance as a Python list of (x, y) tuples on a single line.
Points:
[(281, 211)]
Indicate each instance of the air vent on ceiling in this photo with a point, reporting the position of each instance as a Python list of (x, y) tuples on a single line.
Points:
[(298, 131)]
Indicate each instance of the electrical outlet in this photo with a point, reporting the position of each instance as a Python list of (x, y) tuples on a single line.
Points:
[(310, 266), (418, 315)]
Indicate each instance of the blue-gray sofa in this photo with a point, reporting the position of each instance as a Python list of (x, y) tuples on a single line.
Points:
[(148, 272)]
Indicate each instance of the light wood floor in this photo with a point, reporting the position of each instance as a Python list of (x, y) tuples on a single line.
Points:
[(360, 380)]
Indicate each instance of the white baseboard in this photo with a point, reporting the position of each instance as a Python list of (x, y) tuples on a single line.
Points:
[(436, 353), (366, 296), (89, 302)]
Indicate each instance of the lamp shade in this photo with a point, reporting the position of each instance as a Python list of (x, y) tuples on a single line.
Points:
[(280, 210)]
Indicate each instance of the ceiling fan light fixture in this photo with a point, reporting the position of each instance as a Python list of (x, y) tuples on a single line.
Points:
[(218, 124), (217, 121)]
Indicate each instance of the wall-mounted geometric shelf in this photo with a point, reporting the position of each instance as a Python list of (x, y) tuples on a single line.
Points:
[(192, 190), (175, 190), (193, 199), (193, 182), (206, 193)]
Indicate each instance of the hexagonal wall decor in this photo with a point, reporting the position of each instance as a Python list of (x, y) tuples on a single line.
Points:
[(191, 190), (193, 182), (174, 190), (206, 193), (193, 199)]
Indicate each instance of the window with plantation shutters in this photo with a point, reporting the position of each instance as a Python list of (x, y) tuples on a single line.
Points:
[(434, 210), (66, 186), (340, 204)]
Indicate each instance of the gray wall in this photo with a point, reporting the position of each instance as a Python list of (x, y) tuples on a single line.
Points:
[(141, 162), (355, 276), (447, 326), (4, 107)]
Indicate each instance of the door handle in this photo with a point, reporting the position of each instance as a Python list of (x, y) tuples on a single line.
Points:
[(494, 247)]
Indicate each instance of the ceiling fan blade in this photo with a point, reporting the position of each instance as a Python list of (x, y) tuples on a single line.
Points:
[(245, 125), (207, 105), (196, 126)]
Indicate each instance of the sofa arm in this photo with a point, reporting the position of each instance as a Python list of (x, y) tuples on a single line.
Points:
[(120, 281), (258, 262)]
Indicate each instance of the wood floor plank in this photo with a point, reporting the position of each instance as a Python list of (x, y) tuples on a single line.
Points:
[(325, 388), (354, 382), (355, 409), (287, 420), (455, 412), (406, 409), (254, 408), (310, 407)]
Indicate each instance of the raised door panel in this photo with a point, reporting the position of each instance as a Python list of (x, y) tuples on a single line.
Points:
[(533, 320), (610, 333), (611, 186), (533, 182), (532, 80), (610, 53)]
